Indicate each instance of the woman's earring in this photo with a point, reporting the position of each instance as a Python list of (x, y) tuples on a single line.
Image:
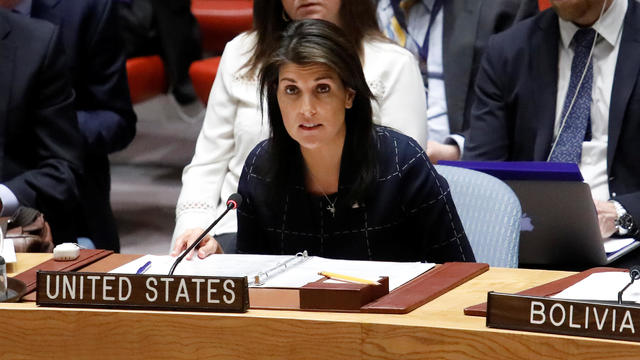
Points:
[(285, 17)]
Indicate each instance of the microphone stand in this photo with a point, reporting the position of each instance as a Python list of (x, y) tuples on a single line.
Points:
[(634, 273), (197, 242)]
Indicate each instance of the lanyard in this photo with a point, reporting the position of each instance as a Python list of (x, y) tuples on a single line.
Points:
[(399, 14)]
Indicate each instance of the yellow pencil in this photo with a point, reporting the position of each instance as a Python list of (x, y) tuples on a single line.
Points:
[(353, 279)]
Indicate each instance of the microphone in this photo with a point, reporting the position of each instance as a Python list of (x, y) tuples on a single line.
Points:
[(233, 202), (634, 273)]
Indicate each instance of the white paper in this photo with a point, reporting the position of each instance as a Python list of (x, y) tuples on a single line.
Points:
[(293, 277), (8, 252), (603, 286), (213, 265), (398, 272), (614, 245)]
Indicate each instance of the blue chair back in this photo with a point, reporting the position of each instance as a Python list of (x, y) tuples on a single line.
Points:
[(490, 213)]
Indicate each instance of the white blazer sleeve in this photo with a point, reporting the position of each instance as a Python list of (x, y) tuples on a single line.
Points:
[(402, 103), (202, 179)]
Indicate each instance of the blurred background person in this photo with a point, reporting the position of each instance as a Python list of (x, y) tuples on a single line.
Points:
[(564, 86), (448, 38), (41, 144), (94, 52)]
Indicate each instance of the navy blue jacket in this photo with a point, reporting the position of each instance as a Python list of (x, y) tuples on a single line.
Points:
[(408, 214), (40, 144), (514, 113), (94, 52)]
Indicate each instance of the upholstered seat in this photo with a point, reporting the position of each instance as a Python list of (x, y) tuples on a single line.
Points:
[(202, 73), (221, 20), (490, 213), (544, 4), (146, 78)]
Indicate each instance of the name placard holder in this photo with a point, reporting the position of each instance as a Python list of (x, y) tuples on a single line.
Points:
[(566, 317), (152, 292)]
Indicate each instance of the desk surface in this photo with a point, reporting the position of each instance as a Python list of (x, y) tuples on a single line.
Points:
[(437, 330)]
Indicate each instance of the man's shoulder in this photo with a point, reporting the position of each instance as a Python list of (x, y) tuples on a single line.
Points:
[(521, 32), (26, 30), (87, 7), (74, 15)]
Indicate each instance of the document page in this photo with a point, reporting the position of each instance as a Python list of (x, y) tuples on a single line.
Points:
[(8, 251), (213, 265), (603, 286), (297, 273), (306, 272), (613, 245)]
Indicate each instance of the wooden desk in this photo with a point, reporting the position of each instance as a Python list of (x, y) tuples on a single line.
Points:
[(27, 261), (437, 330)]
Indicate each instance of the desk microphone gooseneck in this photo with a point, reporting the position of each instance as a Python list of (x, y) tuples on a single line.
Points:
[(233, 202), (634, 273)]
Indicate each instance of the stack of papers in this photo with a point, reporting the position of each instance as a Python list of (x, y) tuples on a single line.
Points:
[(612, 245), (293, 276), (602, 286)]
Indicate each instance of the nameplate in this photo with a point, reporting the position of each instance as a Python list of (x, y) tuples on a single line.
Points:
[(566, 317), (161, 292)]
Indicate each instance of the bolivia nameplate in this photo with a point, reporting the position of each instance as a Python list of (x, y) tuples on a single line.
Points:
[(567, 317), (162, 292)]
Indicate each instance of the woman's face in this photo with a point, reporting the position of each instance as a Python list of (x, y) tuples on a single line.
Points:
[(312, 101), (328, 10)]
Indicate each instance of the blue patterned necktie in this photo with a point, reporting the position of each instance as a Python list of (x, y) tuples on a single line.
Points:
[(569, 142)]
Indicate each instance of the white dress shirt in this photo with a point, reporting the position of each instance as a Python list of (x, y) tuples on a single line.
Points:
[(233, 125), (593, 164), (417, 21)]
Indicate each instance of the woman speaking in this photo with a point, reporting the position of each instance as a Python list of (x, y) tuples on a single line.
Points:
[(328, 180), (233, 124)]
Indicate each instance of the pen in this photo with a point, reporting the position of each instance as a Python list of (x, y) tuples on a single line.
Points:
[(144, 267), (353, 279)]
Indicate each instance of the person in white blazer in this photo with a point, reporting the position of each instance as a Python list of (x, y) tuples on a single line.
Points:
[(234, 122)]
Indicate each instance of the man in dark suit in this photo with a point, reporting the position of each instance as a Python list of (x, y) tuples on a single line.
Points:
[(94, 52), (565, 86), (455, 33), (41, 149)]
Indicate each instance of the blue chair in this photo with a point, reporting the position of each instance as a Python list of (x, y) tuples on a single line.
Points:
[(490, 213), (85, 243)]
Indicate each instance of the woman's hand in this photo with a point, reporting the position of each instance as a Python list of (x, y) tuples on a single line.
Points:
[(207, 246)]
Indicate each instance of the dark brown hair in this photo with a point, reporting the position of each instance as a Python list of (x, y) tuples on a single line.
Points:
[(357, 18), (321, 42)]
